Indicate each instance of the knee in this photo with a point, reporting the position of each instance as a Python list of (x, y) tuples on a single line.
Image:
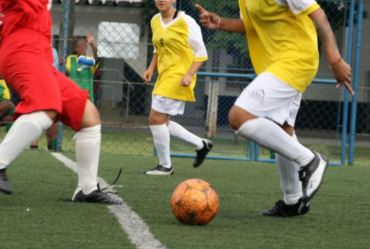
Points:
[(153, 120), (52, 115), (238, 116), (90, 116), (233, 121), (156, 118)]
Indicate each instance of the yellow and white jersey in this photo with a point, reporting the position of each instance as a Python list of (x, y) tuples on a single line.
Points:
[(177, 44), (282, 39), (5, 93)]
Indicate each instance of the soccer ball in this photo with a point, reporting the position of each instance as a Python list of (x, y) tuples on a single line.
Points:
[(194, 202)]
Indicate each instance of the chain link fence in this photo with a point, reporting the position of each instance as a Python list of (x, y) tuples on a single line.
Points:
[(122, 31)]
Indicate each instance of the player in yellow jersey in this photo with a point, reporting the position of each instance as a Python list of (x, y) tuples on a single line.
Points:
[(179, 52), (6, 105), (282, 41)]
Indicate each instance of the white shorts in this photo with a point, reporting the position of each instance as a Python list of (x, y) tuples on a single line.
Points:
[(168, 106), (269, 97)]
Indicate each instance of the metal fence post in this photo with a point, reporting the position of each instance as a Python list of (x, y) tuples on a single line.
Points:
[(212, 108), (65, 28), (348, 58), (352, 139)]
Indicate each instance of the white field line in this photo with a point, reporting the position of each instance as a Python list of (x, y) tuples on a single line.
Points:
[(136, 229)]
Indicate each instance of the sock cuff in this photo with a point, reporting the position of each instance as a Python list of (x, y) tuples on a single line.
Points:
[(157, 127), (249, 126), (93, 132), (172, 123)]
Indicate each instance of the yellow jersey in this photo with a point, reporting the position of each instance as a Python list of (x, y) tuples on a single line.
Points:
[(177, 44), (282, 39), (4, 91)]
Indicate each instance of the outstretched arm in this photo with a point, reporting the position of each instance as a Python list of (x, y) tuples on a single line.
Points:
[(213, 21), (91, 41), (341, 70)]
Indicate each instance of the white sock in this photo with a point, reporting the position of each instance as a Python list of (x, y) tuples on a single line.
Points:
[(24, 131), (179, 131), (289, 179), (272, 136), (161, 138), (87, 157)]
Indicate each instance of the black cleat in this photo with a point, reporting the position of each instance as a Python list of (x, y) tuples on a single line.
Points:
[(97, 196), (159, 170), (283, 210), (202, 153), (4, 183), (311, 176)]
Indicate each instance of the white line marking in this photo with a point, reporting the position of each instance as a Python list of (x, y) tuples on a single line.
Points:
[(136, 229)]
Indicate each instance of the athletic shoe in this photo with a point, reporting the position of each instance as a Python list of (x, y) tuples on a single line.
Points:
[(159, 170), (34, 147), (311, 176), (202, 153), (97, 196), (283, 210), (4, 183)]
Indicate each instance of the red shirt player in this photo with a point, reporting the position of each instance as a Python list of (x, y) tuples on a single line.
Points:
[(46, 95)]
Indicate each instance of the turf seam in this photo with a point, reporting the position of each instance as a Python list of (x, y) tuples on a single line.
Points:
[(137, 230)]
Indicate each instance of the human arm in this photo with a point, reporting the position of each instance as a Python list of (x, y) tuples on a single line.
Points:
[(199, 50), (188, 77), (213, 21), (341, 70), (148, 73), (91, 41)]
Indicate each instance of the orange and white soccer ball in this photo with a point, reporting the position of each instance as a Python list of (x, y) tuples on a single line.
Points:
[(194, 202)]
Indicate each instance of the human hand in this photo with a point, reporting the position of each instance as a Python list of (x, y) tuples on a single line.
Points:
[(147, 76), (90, 38), (186, 80), (208, 19), (342, 73)]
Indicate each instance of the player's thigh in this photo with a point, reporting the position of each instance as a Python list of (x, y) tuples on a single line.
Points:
[(158, 118), (268, 97)]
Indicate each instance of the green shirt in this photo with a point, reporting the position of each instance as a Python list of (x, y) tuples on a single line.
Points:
[(81, 74)]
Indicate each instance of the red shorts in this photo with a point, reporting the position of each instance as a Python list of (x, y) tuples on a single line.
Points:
[(26, 66)]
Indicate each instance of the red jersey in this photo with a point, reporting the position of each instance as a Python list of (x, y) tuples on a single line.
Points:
[(25, 14)]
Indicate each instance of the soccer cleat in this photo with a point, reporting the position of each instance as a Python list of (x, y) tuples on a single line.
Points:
[(159, 170), (283, 210), (96, 196), (4, 183), (202, 153), (34, 147), (311, 176)]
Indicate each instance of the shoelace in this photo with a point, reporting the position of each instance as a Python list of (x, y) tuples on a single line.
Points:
[(109, 188)]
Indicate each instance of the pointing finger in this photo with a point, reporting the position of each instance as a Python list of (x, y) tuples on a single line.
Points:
[(200, 8)]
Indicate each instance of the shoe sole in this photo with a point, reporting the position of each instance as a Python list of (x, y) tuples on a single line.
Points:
[(159, 173), (306, 199)]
